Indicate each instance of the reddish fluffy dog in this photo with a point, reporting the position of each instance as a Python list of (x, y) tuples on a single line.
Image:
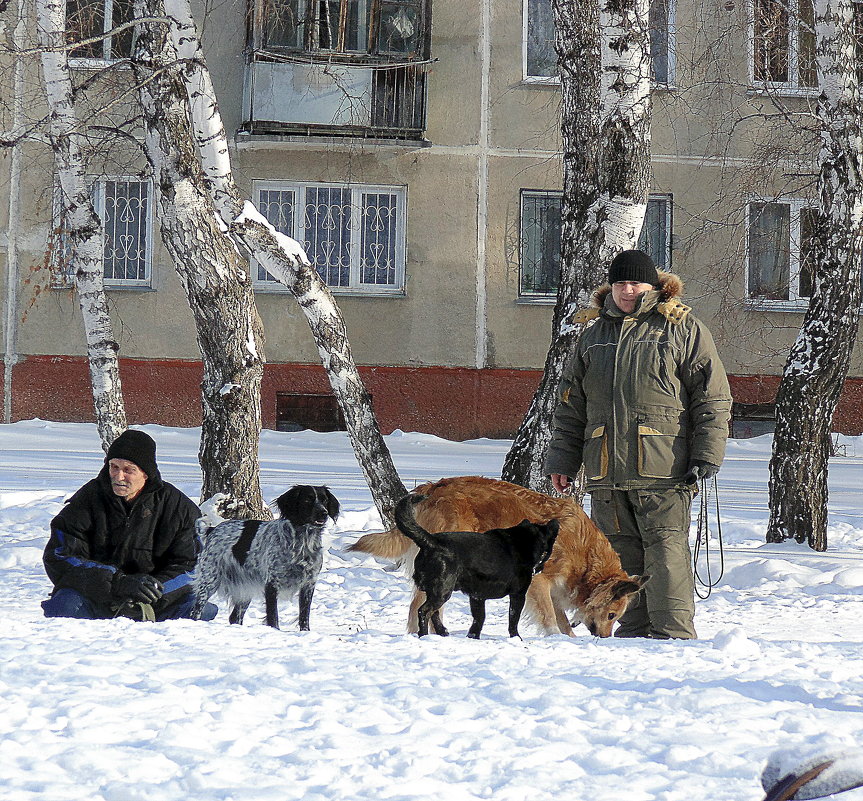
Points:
[(583, 574)]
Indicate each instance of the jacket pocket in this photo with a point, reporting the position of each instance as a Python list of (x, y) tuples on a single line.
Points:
[(662, 450), (596, 454)]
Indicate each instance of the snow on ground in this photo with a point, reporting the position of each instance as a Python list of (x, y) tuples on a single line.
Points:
[(356, 709)]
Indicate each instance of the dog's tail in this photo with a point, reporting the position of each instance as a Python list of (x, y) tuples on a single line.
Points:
[(390, 544), (394, 544), (406, 521)]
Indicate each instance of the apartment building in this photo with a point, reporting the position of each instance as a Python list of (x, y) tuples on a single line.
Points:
[(413, 147)]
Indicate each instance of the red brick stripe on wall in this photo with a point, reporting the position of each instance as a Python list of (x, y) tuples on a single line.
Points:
[(457, 403)]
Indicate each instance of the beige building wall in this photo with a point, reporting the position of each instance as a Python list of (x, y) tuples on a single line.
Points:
[(490, 134)]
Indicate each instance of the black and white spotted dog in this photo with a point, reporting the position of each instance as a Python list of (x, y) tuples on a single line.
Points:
[(241, 558)]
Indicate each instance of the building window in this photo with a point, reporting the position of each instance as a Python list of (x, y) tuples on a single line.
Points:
[(655, 236), (541, 58), (661, 22), (540, 242), (540, 239), (376, 27), (125, 207), (86, 19), (354, 235), (779, 251), (783, 43)]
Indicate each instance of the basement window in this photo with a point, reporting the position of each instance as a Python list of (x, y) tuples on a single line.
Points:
[(752, 419), (302, 411)]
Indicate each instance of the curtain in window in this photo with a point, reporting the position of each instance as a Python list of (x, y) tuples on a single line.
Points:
[(540, 239), (769, 251)]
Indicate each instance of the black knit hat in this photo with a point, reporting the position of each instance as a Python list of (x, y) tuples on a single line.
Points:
[(137, 447), (633, 265)]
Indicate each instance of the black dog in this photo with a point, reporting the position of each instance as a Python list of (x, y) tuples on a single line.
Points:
[(244, 557), (492, 564)]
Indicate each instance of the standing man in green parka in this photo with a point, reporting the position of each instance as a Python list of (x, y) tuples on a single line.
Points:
[(644, 406)]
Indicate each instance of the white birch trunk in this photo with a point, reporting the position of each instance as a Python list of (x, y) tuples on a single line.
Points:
[(217, 283), (285, 260), (85, 227), (604, 58), (819, 359)]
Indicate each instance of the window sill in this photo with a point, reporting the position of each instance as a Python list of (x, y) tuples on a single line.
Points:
[(342, 292), (97, 64), (782, 90), (553, 81), (540, 81), (536, 300), (347, 58), (64, 286), (793, 306), (129, 288), (294, 141)]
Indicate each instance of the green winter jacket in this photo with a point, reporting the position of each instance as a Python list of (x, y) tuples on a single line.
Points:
[(643, 396)]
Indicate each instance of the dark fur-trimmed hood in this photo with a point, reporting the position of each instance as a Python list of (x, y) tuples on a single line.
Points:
[(669, 286)]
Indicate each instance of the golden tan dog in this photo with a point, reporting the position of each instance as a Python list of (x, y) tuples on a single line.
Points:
[(583, 574)]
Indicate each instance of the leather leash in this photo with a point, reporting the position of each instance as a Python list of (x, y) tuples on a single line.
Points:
[(702, 542)]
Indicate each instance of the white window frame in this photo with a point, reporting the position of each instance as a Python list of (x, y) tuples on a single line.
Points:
[(62, 276), (544, 297), (355, 285), (794, 302), (84, 62), (791, 86), (553, 80)]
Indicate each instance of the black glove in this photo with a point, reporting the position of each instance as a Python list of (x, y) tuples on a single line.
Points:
[(699, 470), (139, 587)]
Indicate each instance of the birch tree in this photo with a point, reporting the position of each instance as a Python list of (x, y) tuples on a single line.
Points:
[(216, 280), (603, 53), (285, 260), (83, 227), (819, 359)]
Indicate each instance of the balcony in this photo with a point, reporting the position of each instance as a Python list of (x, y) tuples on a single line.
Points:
[(335, 100), (338, 68)]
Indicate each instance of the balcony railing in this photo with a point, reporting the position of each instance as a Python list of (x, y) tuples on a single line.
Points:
[(333, 99)]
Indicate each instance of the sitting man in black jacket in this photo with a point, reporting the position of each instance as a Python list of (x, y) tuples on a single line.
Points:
[(124, 544)]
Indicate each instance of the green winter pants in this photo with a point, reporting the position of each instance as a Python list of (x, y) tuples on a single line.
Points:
[(649, 529)]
